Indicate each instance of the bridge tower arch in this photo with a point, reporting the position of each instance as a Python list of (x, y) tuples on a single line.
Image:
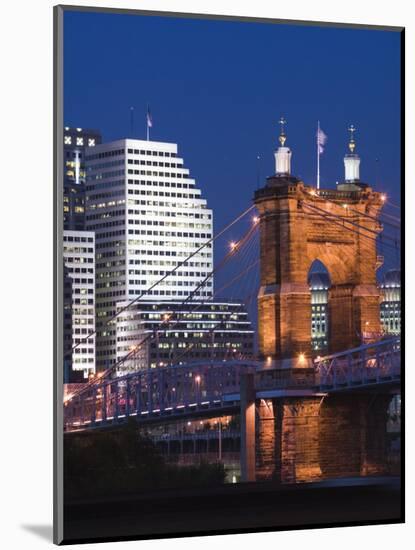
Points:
[(319, 282), (298, 225)]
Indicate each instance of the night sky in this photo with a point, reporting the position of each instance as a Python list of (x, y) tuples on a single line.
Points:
[(218, 89)]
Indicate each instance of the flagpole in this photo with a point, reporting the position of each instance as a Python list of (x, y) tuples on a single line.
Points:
[(132, 121), (318, 155)]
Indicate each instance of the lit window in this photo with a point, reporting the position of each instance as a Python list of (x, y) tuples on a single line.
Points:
[(91, 142), (68, 140), (79, 141)]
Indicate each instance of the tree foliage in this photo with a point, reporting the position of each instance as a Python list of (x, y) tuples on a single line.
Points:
[(123, 461)]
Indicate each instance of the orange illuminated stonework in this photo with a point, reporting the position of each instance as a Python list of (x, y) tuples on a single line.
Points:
[(299, 225)]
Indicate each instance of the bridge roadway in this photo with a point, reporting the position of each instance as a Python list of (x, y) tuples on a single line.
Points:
[(208, 389)]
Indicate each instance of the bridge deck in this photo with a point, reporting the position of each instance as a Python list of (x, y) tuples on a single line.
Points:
[(209, 389)]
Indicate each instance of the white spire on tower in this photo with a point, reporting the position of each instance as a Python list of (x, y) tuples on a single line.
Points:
[(282, 154), (351, 160)]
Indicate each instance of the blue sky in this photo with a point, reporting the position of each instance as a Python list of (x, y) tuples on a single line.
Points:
[(218, 88)]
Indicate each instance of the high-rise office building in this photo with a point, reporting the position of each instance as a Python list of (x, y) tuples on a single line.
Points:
[(79, 302), (67, 326), (76, 141), (390, 307), (148, 216), (168, 332)]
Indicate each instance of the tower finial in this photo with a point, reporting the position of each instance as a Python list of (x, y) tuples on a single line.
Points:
[(352, 160), (282, 137), (282, 153), (352, 143)]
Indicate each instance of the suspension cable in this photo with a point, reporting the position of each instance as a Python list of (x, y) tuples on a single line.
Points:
[(330, 219), (167, 274), (350, 209), (235, 250), (345, 220)]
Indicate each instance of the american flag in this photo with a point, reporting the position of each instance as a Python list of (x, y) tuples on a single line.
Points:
[(321, 140), (149, 119)]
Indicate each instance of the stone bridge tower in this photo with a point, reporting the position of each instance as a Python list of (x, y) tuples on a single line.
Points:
[(299, 224)]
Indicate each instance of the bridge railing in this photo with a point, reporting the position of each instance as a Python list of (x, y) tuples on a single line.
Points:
[(269, 379), (159, 391), (368, 364), (178, 389)]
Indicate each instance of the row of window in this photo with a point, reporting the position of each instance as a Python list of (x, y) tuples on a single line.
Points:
[(136, 292), (112, 253), (77, 239), (105, 154), (152, 153), (105, 215), (168, 263), (159, 174), (193, 205), (77, 260), (138, 313), (163, 272), (106, 195), (159, 233), (170, 214), (109, 274), (230, 330), (154, 183), (83, 311), (152, 193), (114, 263), (78, 281), (184, 254), (104, 175), (173, 244), (162, 223), (99, 185), (81, 270), (79, 141), (77, 250), (110, 284), (106, 204), (150, 163), (109, 235), (83, 301), (104, 165), (144, 282)]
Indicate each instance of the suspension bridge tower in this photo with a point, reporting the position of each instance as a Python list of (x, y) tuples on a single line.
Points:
[(298, 225)]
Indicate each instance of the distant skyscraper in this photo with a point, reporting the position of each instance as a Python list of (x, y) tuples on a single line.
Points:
[(319, 283), (67, 326), (76, 141), (148, 216), (196, 331), (390, 307), (79, 301)]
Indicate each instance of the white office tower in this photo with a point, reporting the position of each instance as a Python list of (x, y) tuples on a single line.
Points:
[(79, 262), (148, 216)]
